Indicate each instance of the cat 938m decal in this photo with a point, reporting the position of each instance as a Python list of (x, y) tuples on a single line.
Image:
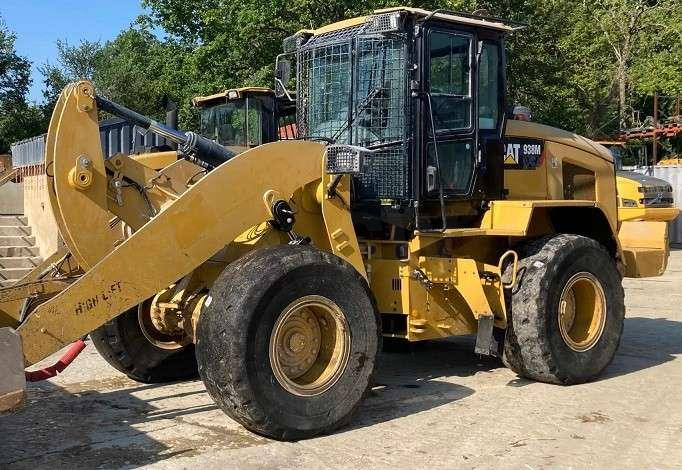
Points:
[(523, 153)]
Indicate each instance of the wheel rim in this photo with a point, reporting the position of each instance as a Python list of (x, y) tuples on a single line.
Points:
[(155, 335), (582, 312), (309, 346)]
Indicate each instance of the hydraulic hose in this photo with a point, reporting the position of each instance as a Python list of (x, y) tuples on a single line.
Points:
[(74, 350)]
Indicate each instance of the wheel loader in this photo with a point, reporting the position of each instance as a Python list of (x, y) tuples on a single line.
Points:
[(408, 208), (640, 197)]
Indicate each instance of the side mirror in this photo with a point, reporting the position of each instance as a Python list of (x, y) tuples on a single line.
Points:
[(431, 173), (282, 77)]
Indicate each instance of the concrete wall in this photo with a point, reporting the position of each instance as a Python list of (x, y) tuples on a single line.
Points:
[(11, 199), (37, 209)]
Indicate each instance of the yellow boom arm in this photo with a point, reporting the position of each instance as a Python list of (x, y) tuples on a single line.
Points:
[(186, 230)]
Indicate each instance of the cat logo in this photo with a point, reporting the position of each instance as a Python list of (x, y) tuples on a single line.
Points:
[(512, 151)]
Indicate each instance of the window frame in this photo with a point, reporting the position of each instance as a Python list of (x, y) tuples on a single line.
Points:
[(472, 78), (501, 85), (452, 193)]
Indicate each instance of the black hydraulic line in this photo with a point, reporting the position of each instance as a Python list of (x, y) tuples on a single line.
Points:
[(208, 153)]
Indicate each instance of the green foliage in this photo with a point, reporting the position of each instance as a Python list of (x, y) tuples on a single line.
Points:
[(657, 63), (18, 119), (583, 66)]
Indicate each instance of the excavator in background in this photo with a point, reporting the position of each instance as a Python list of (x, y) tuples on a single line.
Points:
[(408, 208)]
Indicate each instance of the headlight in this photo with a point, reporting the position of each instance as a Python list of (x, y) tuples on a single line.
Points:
[(383, 23), (629, 203), (345, 159)]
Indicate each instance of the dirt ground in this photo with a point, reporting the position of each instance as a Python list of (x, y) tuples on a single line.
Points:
[(439, 406)]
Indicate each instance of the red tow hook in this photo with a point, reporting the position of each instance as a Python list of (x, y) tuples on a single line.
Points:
[(68, 357)]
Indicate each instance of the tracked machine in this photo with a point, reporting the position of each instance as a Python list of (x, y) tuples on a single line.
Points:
[(409, 209)]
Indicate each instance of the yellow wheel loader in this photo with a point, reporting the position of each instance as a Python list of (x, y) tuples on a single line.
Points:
[(399, 213)]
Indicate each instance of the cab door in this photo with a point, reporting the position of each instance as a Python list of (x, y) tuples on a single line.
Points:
[(450, 131), (462, 114)]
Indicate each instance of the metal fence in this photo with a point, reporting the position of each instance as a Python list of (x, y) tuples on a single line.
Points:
[(673, 175), (117, 136), (28, 152)]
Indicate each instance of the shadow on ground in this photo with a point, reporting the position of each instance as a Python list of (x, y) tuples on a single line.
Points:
[(646, 342), (410, 382), (104, 423), (86, 426)]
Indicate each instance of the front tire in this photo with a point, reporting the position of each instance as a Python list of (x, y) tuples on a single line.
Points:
[(124, 345), (287, 344), (566, 312)]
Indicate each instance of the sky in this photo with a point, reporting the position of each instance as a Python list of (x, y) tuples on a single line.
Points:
[(38, 25)]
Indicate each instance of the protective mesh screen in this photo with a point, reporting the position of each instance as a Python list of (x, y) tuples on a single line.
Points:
[(380, 91), (352, 87), (323, 106), (386, 175)]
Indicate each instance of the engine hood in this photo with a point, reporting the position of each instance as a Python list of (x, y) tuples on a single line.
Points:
[(553, 134)]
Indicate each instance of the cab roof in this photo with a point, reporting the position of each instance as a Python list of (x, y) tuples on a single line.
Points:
[(225, 95), (454, 18)]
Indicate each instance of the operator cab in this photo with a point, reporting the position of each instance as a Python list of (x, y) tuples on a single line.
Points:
[(243, 118), (422, 94)]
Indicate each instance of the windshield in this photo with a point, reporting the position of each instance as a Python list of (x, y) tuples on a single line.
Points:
[(232, 124), (375, 77), (353, 88)]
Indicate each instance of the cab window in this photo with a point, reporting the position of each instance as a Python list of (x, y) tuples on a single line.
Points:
[(489, 86), (456, 159), (450, 80)]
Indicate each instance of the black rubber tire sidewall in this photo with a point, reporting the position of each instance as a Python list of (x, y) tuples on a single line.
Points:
[(533, 345), (234, 334), (123, 345)]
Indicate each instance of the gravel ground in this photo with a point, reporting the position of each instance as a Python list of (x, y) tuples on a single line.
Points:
[(439, 406)]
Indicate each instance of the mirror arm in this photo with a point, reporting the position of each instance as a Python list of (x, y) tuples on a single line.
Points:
[(281, 77)]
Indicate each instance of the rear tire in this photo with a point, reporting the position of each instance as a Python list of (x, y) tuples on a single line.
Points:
[(124, 346), (255, 337), (566, 312)]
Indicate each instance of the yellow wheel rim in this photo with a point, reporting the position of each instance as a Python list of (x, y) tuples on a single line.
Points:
[(159, 337), (582, 312), (309, 346)]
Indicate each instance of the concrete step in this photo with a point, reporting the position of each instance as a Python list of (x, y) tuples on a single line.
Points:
[(15, 230), (13, 273), (7, 282), (20, 262), (13, 220), (14, 251), (17, 241)]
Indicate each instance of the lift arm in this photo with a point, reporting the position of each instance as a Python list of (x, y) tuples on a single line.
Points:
[(186, 232)]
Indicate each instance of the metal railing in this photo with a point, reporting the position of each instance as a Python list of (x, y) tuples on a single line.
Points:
[(117, 136)]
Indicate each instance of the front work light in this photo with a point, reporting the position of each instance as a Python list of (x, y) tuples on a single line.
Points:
[(345, 159)]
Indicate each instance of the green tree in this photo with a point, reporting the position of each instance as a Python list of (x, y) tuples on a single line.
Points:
[(632, 30), (18, 119), (73, 63), (657, 61)]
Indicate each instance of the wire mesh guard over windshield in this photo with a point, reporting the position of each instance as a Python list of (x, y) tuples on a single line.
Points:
[(359, 98)]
